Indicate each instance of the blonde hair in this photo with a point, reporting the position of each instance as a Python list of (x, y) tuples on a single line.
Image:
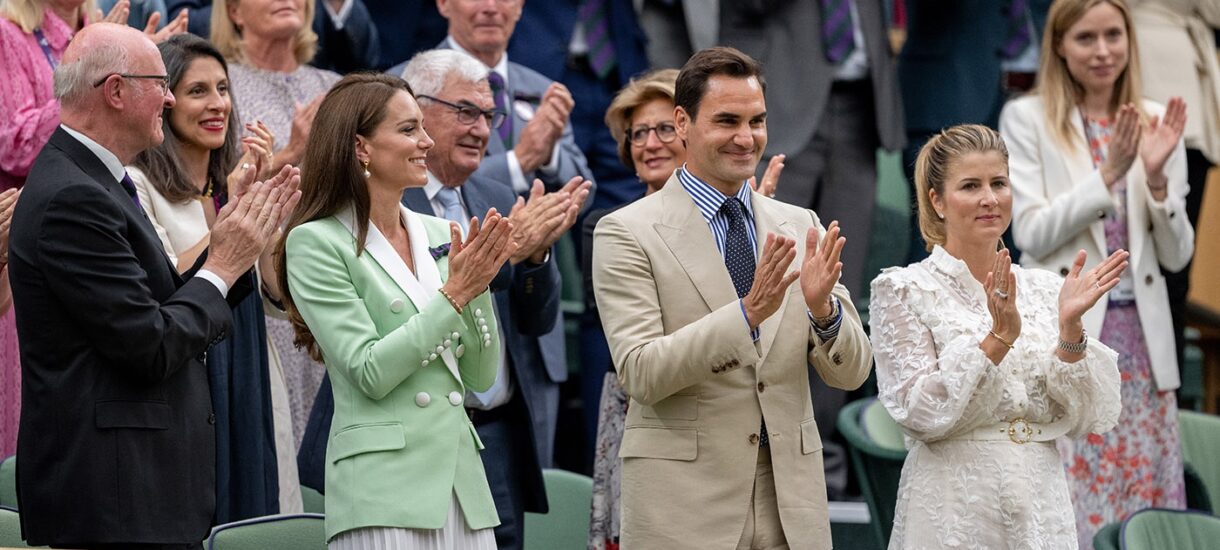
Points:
[(932, 169), (657, 84), (226, 37), (28, 14), (1060, 93)]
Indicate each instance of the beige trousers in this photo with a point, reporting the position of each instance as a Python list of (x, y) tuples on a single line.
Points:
[(763, 530)]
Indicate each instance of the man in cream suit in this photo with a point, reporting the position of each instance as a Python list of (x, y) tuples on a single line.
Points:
[(711, 338)]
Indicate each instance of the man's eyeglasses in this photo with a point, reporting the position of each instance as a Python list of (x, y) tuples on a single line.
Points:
[(161, 79), (639, 135), (468, 114)]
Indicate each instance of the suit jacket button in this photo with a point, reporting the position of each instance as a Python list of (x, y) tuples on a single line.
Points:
[(1172, 213), (478, 312), (459, 351), (837, 358), (212, 418), (1063, 272), (455, 398), (761, 387), (753, 439), (1101, 214), (396, 305), (422, 399), (1147, 279)]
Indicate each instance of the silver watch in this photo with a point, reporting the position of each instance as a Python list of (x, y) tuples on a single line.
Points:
[(1078, 347)]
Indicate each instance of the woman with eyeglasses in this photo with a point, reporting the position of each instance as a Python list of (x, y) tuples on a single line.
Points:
[(641, 119)]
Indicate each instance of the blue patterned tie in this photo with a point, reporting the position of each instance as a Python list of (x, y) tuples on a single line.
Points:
[(500, 93), (451, 203), (1017, 36), (592, 16), (739, 258), (838, 36)]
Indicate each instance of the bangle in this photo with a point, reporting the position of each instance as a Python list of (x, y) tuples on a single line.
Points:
[(834, 312), (1078, 347), (452, 302), (997, 337)]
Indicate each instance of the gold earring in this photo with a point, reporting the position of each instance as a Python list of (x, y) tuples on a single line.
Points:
[(365, 164)]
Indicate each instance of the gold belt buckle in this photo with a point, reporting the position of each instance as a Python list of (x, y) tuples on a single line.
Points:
[(1020, 432)]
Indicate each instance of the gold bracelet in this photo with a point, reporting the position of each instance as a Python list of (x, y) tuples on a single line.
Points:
[(1002, 341), (452, 302)]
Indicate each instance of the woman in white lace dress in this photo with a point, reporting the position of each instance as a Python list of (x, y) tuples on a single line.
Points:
[(984, 363)]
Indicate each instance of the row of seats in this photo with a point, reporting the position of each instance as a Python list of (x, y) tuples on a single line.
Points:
[(566, 526), (877, 452)]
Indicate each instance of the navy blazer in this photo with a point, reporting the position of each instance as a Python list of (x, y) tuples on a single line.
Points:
[(355, 47), (541, 38), (405, 28)]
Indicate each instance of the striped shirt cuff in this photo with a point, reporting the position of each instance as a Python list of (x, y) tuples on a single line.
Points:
[(831, 330), (753, 333)]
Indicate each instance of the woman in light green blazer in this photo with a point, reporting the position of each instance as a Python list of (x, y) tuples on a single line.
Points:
[(395, 304)]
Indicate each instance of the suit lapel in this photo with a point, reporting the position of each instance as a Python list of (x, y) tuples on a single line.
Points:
[(765, 221), (1079, 164), (690, 240), (419, 287)]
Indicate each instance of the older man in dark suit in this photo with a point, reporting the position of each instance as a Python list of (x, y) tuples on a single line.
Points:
[(116, 444)]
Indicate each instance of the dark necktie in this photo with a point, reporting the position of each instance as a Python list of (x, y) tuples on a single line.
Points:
[(739, 258), (130, 187), (592, 16), (838, 37), (1017, 37), (500, 94)]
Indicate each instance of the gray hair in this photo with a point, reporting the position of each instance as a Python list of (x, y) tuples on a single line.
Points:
[(73, 80), (427, 71)]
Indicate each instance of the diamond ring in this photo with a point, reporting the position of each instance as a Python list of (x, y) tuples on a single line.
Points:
[(1003, 295)]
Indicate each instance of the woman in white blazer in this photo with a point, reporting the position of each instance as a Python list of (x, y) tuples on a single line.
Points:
[(1096, 168)]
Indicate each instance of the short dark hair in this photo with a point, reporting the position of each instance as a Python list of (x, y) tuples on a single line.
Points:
[(706, 63)]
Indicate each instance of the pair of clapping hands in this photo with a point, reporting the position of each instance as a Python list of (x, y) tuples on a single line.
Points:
[(248, 223), (1152, 142), (528, 233), (1080, 291)]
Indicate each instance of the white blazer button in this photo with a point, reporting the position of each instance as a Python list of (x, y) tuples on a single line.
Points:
[(440, 349), (422, 399), (423, 363), (432, 357), (459, 351), (482, 322), (455, 398), (483, 329), (478, 312), (448, 342), (456, 335), (396, 305)]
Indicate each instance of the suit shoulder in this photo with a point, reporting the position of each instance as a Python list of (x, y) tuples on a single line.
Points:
[(787, 212), (312, 232), (526, 77), (496, 191), (641, 211), (1023, 105)]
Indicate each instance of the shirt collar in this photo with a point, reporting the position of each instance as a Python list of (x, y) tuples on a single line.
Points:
[(108, 159), (708, 199), (501, 67), (434, 186)]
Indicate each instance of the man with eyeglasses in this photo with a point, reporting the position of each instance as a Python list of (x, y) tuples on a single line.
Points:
[(516, 418), (117, 442)]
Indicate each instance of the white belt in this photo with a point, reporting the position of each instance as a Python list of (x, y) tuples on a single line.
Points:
[(1018, 431)]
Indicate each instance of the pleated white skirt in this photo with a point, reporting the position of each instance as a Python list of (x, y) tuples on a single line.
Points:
[(455, 535)]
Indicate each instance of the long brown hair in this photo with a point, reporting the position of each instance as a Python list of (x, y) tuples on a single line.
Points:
[(932, 169), (331, 176), (1061, 94)]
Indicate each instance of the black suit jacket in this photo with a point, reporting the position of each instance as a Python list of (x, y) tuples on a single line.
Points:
[(116, 443)]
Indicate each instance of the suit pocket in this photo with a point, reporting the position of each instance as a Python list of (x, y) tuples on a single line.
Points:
[(665, 443), (811, 439), (674, 407), (366, 438), (148, 415)]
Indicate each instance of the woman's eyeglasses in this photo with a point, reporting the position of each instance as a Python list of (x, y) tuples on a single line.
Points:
[(468, 114), (639, 135)]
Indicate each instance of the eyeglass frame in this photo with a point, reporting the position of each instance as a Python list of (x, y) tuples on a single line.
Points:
[(163, 78), (630, 132), (466, 107)]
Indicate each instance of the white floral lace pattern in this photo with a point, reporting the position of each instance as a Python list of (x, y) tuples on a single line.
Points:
[(935, 381)]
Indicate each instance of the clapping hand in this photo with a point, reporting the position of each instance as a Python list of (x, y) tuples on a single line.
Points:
[(1124, 145), (771, 279), (1001, 289), (475, 262), (247, 224), (118, 13), (538, 137), (1081, 291), (177, 26), (255, 161), (821, 267), (770, 179), (8, 203), (1160, 137)]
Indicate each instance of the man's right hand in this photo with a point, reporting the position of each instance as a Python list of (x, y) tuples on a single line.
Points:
[(771, 279), (247, 224), (539, 136), (535, 218)]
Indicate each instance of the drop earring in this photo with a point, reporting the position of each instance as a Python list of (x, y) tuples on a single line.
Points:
[(938, 214), (367, 175)]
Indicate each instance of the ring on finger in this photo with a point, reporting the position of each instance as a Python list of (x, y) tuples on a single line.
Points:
[(1003, 295)]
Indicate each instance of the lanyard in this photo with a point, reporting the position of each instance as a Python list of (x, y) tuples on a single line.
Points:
[(46, 47)]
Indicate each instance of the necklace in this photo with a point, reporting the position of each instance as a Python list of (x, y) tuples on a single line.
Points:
[(207, 190)]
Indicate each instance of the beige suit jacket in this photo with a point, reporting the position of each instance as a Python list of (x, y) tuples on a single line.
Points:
[(700, 386)]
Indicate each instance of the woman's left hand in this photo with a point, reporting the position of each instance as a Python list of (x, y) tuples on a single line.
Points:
[(257, 150), (177, 26), (770, 179), (1161, 136), (1080, 291)]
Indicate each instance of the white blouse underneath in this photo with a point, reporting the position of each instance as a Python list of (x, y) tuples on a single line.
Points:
[(969, 481)]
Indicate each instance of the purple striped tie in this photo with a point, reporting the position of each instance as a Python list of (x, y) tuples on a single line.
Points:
[(592, 16), (838, 36), (130, 187), (1018, 38), (501, 96)]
